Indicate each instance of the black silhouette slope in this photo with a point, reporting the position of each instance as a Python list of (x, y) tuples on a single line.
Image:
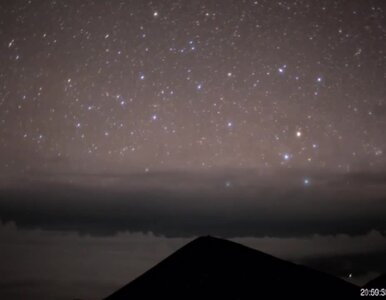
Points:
[(212, 268), (379, 282)]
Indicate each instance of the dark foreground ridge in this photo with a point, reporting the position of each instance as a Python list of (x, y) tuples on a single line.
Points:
[(212, 268), (379, 282)]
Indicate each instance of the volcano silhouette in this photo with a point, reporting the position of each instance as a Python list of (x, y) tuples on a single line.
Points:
[(213, 268)]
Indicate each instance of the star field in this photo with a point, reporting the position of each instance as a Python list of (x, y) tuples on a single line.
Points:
[(128, 128), (141, 86)]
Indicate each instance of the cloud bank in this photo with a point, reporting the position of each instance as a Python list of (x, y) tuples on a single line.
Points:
[(223, 203)]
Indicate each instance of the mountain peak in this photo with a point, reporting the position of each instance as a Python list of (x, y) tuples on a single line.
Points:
[(214, 268)]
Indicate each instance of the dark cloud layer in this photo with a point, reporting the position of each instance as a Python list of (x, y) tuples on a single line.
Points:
[(228, 204)]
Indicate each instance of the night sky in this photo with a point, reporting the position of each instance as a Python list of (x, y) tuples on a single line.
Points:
[(123, 122)]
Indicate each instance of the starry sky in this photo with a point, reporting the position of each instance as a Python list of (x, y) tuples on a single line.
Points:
[(181, 118), (137, 86)]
